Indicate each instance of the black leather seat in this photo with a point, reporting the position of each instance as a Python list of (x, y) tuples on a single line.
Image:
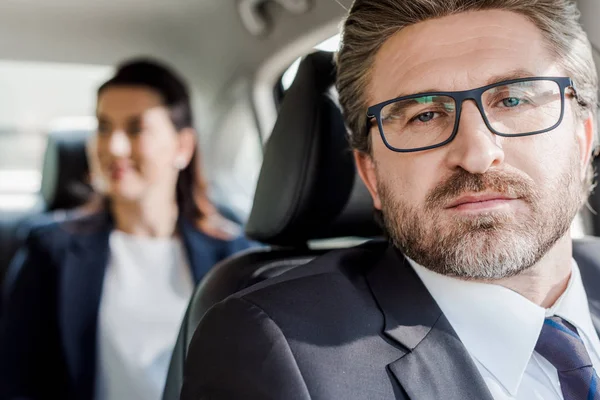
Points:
[(591, 214), (308, 189), (64, 186), (65, 174)]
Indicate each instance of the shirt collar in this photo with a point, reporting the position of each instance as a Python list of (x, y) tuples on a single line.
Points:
[(498, 326)]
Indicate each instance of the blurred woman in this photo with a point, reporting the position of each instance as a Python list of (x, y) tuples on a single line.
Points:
[(96, 308)]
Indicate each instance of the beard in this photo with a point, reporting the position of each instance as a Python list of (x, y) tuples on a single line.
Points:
[(488, 245)]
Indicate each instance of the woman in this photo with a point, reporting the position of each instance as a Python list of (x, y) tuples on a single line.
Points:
[(96, 308)]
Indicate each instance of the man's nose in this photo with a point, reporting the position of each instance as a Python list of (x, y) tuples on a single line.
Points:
[(475, 148)]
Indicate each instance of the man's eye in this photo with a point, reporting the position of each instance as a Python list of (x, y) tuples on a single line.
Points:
[(425, 117), (511, 102)]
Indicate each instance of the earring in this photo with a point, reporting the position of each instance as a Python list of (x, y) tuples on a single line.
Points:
[(179, 163)]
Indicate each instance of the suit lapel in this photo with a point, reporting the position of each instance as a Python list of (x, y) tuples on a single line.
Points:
[(436, 364), (80, 291), (201, 255)]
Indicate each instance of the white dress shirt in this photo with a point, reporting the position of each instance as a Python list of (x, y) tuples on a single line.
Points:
[(500, 328), (146, 290)]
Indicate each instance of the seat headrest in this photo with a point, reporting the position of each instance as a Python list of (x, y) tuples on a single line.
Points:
[(65, 174), (308, 187)]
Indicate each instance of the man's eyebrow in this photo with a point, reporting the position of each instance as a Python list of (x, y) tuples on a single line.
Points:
[(514, 74), (507, 76)]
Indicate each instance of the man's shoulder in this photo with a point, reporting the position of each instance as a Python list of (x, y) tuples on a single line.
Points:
[(331, 276)]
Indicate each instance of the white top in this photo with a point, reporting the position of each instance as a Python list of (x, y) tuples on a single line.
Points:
[(146, 290), (500, 328)]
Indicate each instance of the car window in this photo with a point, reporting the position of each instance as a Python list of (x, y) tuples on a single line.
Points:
[(289, 75)]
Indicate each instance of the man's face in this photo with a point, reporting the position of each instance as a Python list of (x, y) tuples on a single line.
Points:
[(482, 206)]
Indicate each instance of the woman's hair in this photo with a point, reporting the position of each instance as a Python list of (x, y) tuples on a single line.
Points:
[(191, 196)]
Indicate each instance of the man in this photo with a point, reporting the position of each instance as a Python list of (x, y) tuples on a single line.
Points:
[(472, 124)]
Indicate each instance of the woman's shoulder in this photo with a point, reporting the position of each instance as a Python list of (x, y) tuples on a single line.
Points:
[(54, 230), (46, 241)]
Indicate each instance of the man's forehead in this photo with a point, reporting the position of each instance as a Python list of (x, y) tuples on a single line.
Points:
[(459, 52)]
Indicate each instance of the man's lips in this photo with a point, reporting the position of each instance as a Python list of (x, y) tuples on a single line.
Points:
[(477, 201)]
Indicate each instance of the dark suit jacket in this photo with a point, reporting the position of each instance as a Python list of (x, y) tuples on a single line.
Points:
[(353, 324), (48, 331)]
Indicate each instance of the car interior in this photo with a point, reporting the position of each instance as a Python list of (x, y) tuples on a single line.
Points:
[(289, 213), (66, 48), (64, 186), (272, 137)]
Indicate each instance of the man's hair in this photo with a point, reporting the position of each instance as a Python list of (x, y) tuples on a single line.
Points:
[(371, 22)]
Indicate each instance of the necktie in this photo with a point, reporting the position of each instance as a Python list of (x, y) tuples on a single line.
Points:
[(561, 345)]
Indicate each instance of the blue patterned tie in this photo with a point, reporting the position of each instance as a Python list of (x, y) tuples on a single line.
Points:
[(560, 344)]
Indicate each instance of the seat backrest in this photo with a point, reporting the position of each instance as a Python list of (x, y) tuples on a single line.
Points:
[(64, 185), (591, 216), (307, 189), (65, 172)]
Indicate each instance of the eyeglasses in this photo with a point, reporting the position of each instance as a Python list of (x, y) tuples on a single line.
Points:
[(517, 107)]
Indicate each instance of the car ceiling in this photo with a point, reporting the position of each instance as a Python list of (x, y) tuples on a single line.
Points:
[(205, 39)]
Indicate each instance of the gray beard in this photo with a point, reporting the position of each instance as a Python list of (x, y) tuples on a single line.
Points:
[(488, 246)]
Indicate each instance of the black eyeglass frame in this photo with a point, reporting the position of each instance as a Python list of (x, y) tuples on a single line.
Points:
[(374, 112)]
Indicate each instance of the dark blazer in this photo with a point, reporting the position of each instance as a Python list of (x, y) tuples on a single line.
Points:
[(353, 324), (48, 331)]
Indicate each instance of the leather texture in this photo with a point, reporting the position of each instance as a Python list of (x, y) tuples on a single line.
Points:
[(65, 182), (308, 187)]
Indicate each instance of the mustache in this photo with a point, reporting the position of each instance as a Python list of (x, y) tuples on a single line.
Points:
[(463, 182)]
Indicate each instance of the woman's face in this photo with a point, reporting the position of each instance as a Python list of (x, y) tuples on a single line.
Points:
[(139, 150)]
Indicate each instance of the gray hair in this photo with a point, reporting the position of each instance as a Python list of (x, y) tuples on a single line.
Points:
[(371, 22)]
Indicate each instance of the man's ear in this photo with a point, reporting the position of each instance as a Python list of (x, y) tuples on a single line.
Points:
[(366, 169), (586, 138)]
